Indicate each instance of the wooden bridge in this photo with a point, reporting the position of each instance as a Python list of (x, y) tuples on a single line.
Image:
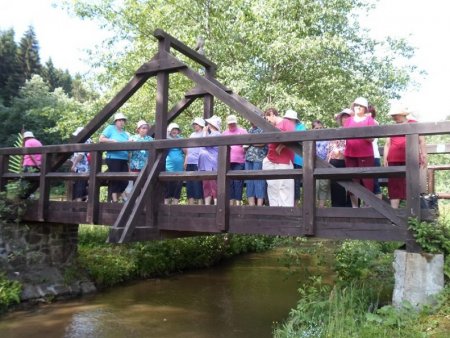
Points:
[(145, 217)]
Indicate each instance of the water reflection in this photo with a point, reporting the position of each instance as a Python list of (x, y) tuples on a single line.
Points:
[(242, 298)]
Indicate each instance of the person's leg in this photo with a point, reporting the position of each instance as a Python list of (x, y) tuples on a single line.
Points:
[(259, 186), (272, 185), (250, 185), (352, 162), (286, 189)]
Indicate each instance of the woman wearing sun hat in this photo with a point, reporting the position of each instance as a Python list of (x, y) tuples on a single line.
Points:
[(139, 158), (237, 159), (31, 162), (174, 163), (395, 155), (117, 161), (194, 189), (359, 152), (207, 160)]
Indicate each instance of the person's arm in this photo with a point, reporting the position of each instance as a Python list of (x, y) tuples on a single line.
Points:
[(104, 139), (386, 152), (76, 160)]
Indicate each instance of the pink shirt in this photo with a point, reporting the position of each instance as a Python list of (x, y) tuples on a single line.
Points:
[(32, 142), (359, 147), (287, 155), (237, 153)]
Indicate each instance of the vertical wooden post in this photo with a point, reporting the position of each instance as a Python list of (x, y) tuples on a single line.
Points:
[(412, 186), (431, 178), (412, 176), (162, 95), (44, 188), (309, 188), (94, 188), (4, 162), (223, 189), (208, 100)]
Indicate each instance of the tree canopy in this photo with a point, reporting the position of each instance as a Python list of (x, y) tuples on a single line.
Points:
[(308, 55)]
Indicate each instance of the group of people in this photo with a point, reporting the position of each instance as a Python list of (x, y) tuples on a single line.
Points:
[(355, 152)]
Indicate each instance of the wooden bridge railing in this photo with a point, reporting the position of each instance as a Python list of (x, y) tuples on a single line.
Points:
[(145, 217)]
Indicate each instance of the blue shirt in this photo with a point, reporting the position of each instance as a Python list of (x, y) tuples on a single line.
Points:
[(139, 157), (297, 158), (175, 159), (112, 133)]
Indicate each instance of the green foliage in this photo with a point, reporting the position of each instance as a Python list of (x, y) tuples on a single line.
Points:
[(9, 292), (363, 261), (111, 264), (433, 237), (308, 55)]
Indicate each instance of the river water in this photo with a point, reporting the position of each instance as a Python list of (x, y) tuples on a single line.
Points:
[(243, 297)]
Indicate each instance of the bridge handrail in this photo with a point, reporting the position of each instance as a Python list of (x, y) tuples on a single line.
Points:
[(429, 128)]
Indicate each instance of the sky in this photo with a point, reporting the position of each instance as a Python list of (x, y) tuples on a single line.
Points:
[(424, 24)]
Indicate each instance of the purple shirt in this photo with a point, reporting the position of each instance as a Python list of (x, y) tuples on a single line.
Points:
[(194, 153), (207, 159)]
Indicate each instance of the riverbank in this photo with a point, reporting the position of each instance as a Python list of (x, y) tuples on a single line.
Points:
[(358, 302)]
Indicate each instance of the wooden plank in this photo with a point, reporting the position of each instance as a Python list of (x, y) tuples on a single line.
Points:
[(159, 64), (223, 189), (135, 205), (235, 174), (349, 173), (92, 216), (44, 188), (443, 148), (162, 93), (309, 188), (412, 176)]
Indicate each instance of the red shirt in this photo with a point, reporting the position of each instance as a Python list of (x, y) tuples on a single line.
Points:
[(286, 155), (397, 148), (359, 147)]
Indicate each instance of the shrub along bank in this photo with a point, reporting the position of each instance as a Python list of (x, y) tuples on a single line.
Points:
[(357, 304), (112, 264)]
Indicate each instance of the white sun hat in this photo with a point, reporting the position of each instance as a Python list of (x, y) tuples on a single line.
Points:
[(291, 114), (173, 125), (119, 116), (199, 121), (28, 134), (215, 121), (231, 119), (399, 110), (141, 123), (361, 101)]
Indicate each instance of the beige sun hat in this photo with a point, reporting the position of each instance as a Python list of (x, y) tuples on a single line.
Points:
[(172, 126), (231, 119), (28, 134), (199, 121), (141, 123), (291, 114), (119, 116), (399, 110), (362, 101), (215, 121)]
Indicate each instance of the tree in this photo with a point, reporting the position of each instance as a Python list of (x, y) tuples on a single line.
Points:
[(307, 55), (10, 78), (57, 78), (29, 54)]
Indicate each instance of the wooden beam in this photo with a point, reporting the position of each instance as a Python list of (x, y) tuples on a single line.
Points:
[(138, 198), (44, 188), (92, 215), (309, 188), (349, 173), (4, 163), (223, 189), (182, 48), (160, 63)]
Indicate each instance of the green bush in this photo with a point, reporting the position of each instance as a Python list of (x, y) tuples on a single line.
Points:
[(9, 292), (109, 264)]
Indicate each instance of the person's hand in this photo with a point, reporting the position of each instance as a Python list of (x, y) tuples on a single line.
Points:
[(279, 148)]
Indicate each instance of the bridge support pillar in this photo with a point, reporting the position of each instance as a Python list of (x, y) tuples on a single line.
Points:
[(418, 277), (42, 257)]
